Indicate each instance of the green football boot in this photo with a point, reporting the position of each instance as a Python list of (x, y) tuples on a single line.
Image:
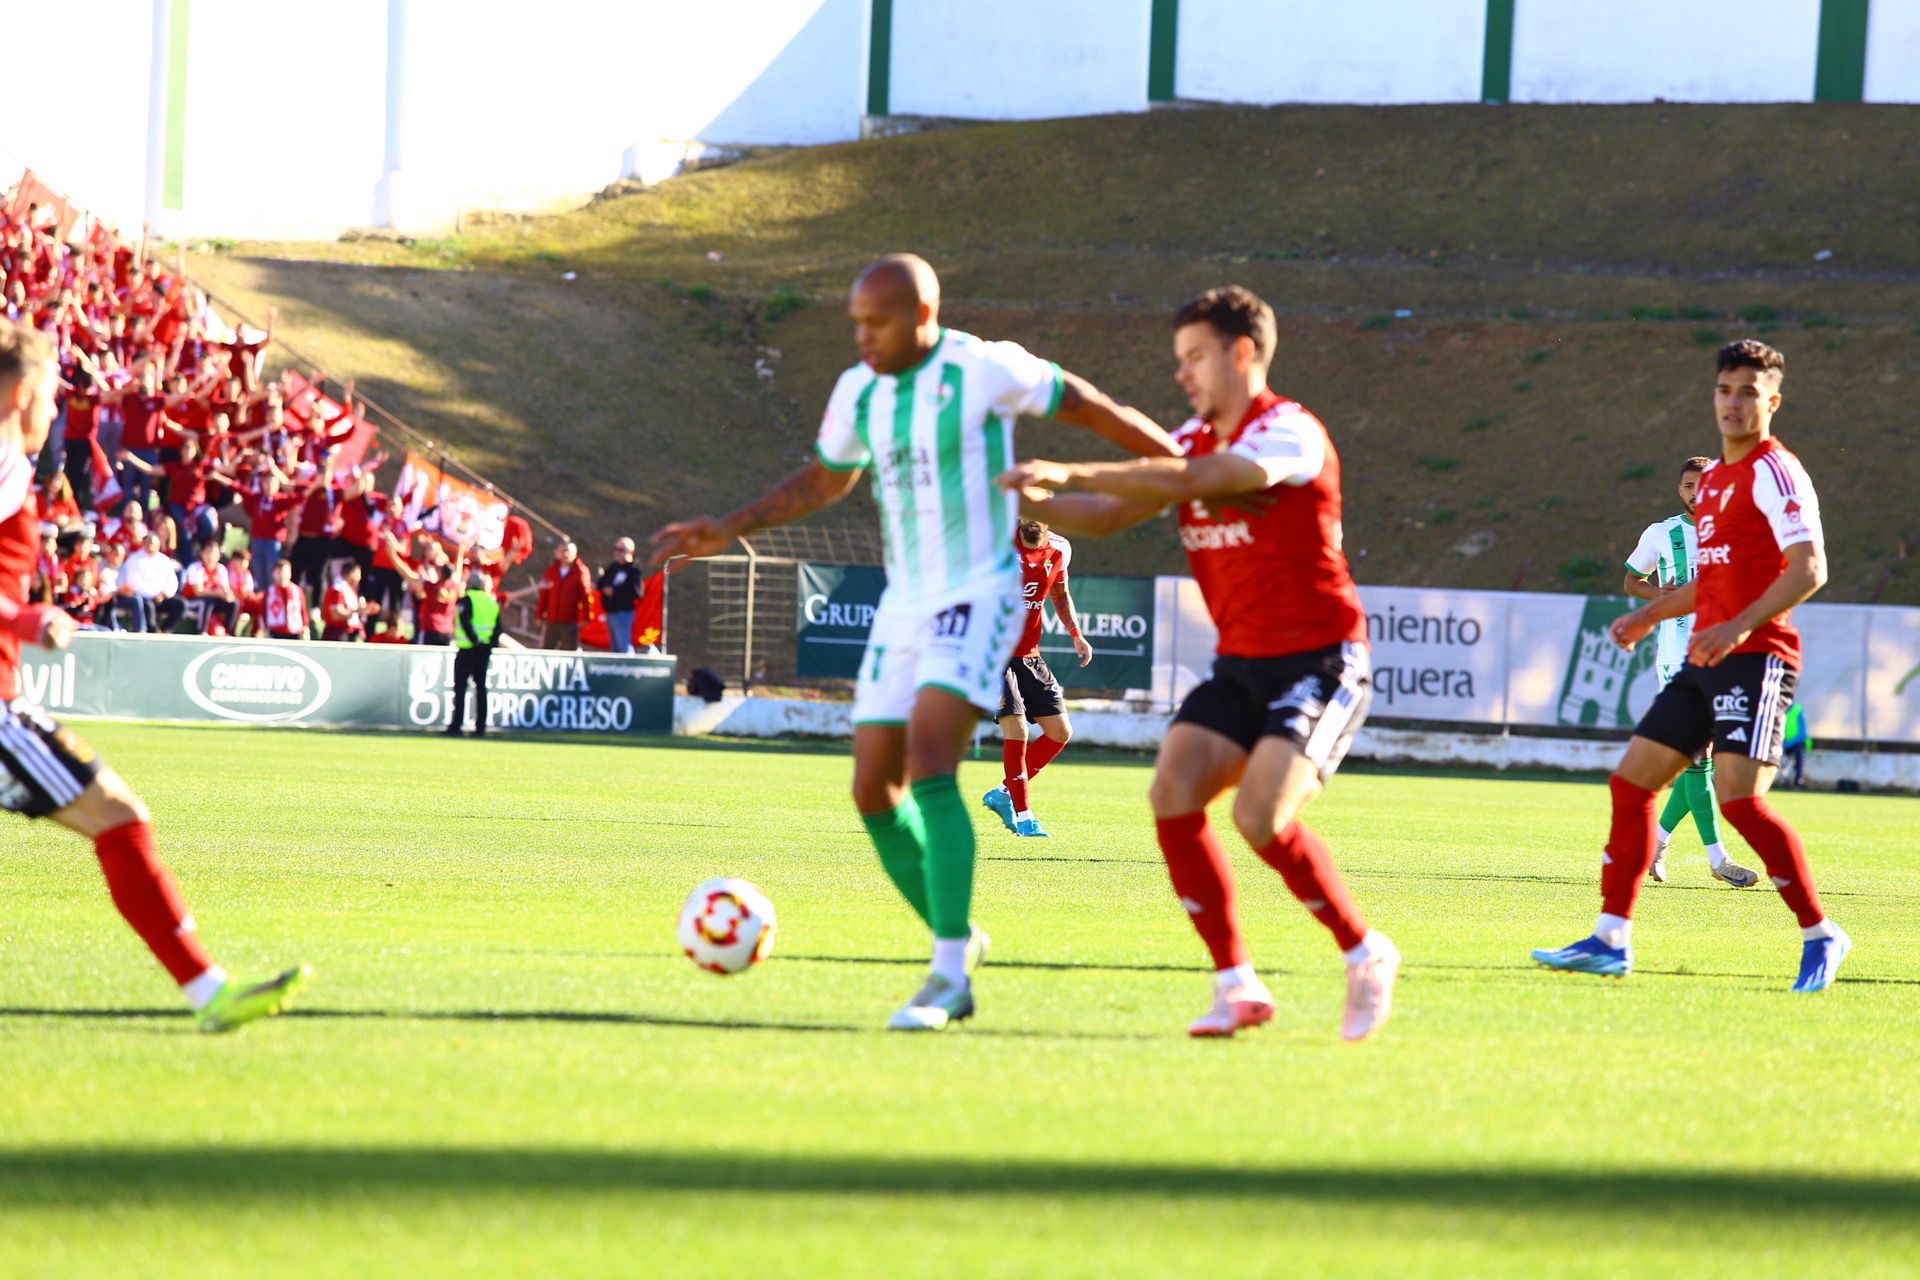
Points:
[(240, 1003)]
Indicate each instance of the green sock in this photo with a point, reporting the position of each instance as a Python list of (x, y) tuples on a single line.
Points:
[(1706, 810), (949, 830), (901, 839), (1679, 801)]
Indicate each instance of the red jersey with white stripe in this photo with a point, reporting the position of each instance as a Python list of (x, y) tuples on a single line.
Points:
[(1275, 582), (286, 609), (1041, 569), (1749, 512), (19, 552)]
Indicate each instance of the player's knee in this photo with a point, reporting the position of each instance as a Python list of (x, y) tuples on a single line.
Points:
[(876, 794), (1171, 797), (1061, 731), (1253, 818)]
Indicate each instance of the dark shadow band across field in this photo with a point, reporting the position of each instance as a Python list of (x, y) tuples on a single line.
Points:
[(75, 1177)]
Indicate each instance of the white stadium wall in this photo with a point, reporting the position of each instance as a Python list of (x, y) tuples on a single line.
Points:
[(1679, 50), (1383, 51), (304, 118), (1893, 51), (1018, 59)]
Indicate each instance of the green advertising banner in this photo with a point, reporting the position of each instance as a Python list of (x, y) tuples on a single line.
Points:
[(837, 603), (346, 685), (1116, 617)]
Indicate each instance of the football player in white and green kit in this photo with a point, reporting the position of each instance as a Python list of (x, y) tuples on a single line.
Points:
[(930, 411), (1666, 559)]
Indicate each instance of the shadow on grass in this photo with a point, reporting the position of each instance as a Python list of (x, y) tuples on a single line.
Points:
[(67, 1177), (577, 1017)]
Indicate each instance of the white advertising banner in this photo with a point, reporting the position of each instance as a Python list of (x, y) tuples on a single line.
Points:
[(1519, 658)]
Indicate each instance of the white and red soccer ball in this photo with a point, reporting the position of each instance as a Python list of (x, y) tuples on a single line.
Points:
[(727, 926)]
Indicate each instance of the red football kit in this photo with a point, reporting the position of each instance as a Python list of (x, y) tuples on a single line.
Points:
[(286, 611), (1042, 568), (1748, 513), (19, 553), (1276, 583)]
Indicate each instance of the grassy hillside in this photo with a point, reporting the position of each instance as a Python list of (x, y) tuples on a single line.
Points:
[(1568, 272)]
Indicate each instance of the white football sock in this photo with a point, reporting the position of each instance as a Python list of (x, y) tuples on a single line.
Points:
[(1367, 948), (1615, 931), (1240, 975), (950, 959), (1025, 815), (1662, 836), (204, 988), (1825, 929), (1716, 855)]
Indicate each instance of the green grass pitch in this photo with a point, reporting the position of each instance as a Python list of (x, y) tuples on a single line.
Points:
[(504, 1067)]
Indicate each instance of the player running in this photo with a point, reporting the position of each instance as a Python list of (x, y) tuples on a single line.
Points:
[(930, 411), (1761, 552), (47, 770), (1258, 490), (1032, 693), (1664, 560)]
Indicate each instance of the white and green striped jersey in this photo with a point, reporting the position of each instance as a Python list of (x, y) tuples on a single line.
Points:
[(935, 436), (1669, 553)]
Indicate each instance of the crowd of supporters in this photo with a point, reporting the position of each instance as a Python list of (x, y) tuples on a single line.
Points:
[(183, 490)]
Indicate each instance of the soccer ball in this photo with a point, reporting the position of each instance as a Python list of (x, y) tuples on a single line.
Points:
[(727, 926)]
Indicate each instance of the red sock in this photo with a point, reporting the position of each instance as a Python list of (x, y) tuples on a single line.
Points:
[(1303, 862), (1039, 753), (1013, 753), (145, 894), (1629, 848), (1779, 847), (1198, 866)]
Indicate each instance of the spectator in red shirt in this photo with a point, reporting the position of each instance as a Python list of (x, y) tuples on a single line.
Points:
[(208, 591), (59, 506), (563, 599), (285, 605), (342, 611), (437, 597), (315, 528), (268, 513)]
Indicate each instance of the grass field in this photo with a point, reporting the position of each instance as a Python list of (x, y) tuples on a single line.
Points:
[(504, 1067)]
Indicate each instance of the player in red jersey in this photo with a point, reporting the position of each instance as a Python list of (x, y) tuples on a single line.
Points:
[(47, 770), (1761, 552), (1032, 693), (1258, 490)]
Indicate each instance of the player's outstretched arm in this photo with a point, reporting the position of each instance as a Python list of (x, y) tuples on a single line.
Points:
[(1084, 405), (1085, 515), (1163, 481), (801, 494)]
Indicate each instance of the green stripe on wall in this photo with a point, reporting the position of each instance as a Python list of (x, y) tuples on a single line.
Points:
[(1496, 64), (1163, 39), (174, 167), (1840, 68), (879, 57)]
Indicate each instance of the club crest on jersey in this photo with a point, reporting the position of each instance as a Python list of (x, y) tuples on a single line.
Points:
[(1726, 494), (1732, 705)]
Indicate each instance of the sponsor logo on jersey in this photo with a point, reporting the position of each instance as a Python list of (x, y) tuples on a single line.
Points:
[(1216, 537), (1732, 705), (1716, 555)]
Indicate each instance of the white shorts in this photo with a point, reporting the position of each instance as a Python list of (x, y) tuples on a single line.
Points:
[(962, 646)]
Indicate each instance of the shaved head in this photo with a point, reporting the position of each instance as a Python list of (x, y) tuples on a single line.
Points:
[(904, 279), (895, 308)]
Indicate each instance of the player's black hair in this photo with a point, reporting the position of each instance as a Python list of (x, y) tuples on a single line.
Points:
[(1695, 463), (1233, 311), (1751, 353)]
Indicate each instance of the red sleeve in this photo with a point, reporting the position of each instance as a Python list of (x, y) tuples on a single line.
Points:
[(24, 620)]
